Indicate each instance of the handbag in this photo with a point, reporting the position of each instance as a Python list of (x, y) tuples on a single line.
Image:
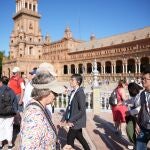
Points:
[(58, 146)]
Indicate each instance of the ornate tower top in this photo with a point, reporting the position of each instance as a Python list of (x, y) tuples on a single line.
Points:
[(26, 5), (47, 39), (68, 33), (92, 37)]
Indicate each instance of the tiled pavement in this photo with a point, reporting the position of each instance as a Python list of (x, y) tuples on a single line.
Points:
[(99, 133)]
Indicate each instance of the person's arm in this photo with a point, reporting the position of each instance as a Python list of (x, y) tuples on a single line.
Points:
[(123, 94), (135, 111), (14, 99), (82, 106), (22, 92)]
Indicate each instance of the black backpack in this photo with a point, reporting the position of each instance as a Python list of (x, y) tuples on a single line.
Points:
[(6, 103), (113, 101), (144, 115)]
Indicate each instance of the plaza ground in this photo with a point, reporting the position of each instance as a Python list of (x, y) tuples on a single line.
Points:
[(99, 133)]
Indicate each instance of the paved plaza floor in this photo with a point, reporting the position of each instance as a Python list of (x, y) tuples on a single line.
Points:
[(100, 133)]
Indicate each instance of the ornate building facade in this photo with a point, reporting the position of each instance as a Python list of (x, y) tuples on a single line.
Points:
[(118, 56)]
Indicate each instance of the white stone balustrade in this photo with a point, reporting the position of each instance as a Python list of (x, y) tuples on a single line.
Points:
[(62, 101)]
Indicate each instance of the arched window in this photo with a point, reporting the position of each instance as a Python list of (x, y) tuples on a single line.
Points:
[(73, 69), (30, 6), (30, 50), (26, 5), (119, 68), (144, 61), (108, 67), (131, 65), (89, 67), (65, 69), (80, 67), (33, 7), (99, 67)]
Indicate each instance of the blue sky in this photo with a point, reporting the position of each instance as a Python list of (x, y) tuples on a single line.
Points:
[(101, 17)]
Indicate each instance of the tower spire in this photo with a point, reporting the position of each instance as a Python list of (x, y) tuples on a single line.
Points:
[(68, 33)]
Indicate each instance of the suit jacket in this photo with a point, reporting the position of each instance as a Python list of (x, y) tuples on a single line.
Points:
[(77, 110)]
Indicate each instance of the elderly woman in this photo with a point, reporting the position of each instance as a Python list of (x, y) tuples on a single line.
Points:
[(37, 130)]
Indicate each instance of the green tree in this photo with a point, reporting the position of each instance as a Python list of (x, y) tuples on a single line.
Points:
[(1, 59)]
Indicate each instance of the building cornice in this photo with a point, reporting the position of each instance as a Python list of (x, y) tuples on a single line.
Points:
[(27, 13)]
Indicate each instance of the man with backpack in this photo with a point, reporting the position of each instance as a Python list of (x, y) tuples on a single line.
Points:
[(8, 109), (143, 126)]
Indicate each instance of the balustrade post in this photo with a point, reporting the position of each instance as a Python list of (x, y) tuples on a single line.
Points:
[(67, 99), (89, 100), (57, 102), (62, 101)]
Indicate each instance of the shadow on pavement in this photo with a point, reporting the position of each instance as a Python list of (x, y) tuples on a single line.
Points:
[(108, 135)]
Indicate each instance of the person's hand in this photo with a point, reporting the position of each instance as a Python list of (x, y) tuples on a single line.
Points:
[(68, 147), (127, 113), (120, 103), (20, 102), (137, 129), (62, 124), (70, 124)]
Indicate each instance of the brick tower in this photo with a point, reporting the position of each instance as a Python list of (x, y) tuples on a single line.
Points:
[(26, 39)]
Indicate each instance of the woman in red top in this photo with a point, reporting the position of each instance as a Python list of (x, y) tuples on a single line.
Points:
[(120, 109)]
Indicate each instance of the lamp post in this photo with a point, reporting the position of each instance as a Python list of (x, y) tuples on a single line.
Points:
[(95, 74), (96, 89)]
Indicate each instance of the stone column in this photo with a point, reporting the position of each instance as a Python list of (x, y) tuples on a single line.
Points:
[(104, 68), (112, 70), (36, 7), (126, 68), (123, 68), (68, 71), (28, 5), (20, 5), (23, 3), (101, 69), (139, 67), (136, 67), (16, 7), (85, 67)]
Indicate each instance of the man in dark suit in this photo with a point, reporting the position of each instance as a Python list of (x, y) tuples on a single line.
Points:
[(75, 115)]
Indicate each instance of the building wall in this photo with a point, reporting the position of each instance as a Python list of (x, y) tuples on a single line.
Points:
[(117, 56)]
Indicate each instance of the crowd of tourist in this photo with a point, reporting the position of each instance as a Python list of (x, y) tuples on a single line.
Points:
[(132, 114), (25, 103)]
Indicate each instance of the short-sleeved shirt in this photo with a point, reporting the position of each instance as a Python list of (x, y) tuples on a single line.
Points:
[(16, 83)]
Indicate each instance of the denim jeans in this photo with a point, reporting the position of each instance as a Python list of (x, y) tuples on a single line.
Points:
[(20, 107), (142, 140)]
